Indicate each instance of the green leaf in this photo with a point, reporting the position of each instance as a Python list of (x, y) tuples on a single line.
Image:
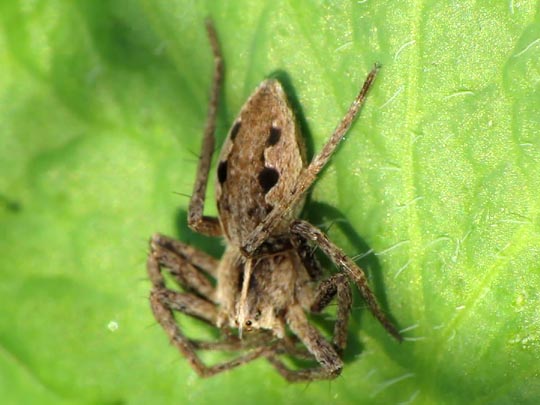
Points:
[(102, 107)]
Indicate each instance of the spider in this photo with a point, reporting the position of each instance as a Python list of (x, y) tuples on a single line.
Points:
[(268, 279)]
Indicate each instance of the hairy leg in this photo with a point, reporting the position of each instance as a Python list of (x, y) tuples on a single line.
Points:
[(323, 351), (164, 316), (164, 301), (345, 263), (317, 347), (336, 285), (200, 259), (186, 264), (307, 256), (209, 226), (308, 374)]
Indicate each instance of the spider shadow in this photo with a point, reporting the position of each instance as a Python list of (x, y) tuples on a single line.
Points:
[(11, 205), (318, 213)]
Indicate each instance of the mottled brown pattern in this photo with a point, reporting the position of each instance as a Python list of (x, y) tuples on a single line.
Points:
[(258, 294), (267, 108)]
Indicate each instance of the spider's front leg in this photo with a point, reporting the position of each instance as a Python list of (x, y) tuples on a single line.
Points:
[(336, 285), (310, 232), (325, 354), (190, 268), (164, 316)]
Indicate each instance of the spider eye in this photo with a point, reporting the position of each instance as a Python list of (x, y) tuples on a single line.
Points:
[(248, 323)]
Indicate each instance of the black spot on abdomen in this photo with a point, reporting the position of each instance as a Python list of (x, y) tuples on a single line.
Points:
[(222, 172), (235, 129), (268, 177), (275, 135)]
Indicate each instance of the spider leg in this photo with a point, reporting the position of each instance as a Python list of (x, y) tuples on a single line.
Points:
[(330, 363), (325, 354), (336, 285), (209, 226), (343, 262), (308, 374), (234, 343), (187, 303), (164, 316), (197, 257), (164, 301), (186, 264), (183, 262), (307, 256)]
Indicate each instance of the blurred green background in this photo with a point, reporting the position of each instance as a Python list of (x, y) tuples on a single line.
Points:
[(102, 106)]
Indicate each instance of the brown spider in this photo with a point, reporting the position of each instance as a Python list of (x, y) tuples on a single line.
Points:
[(268, 277)]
